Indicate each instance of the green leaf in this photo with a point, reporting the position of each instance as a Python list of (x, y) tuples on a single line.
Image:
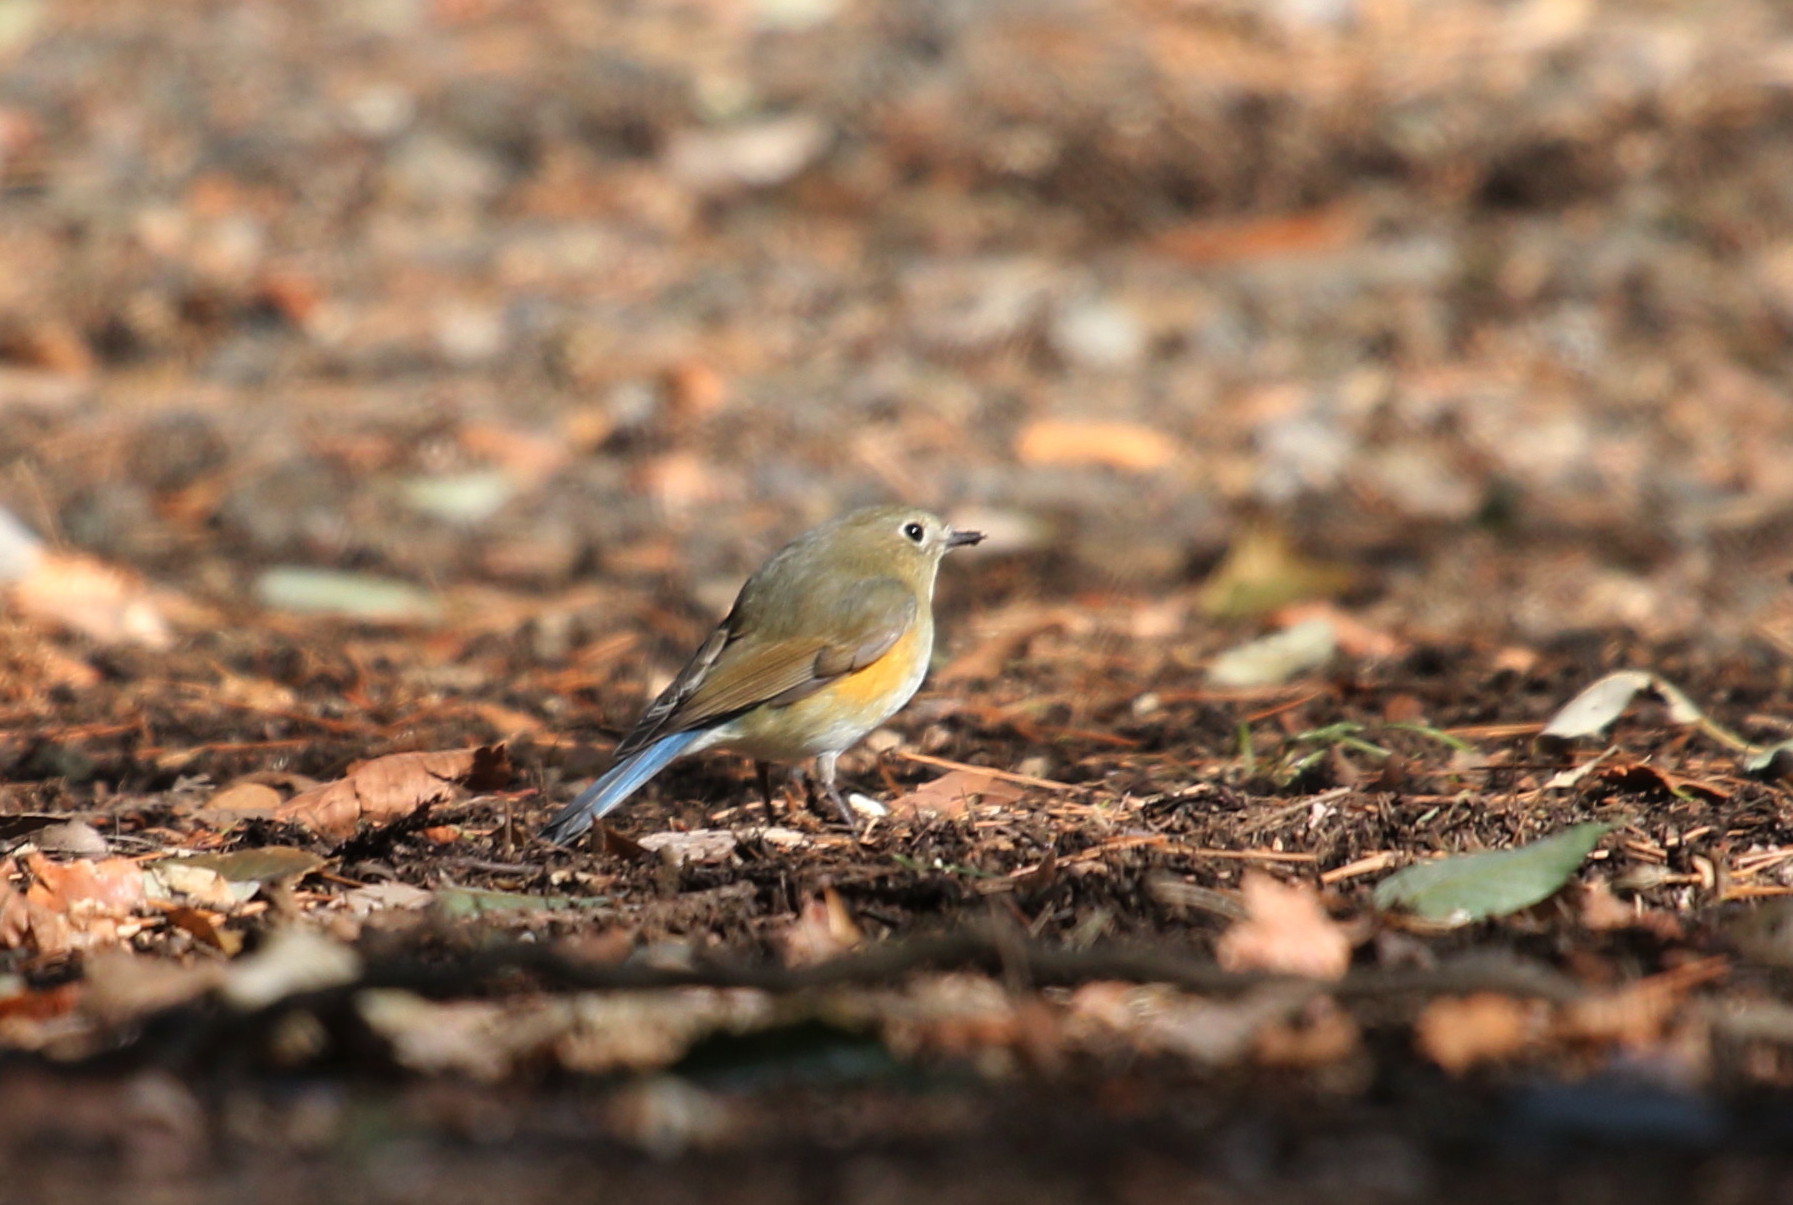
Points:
[(354, 595), (263, 865), (463, 498), (477, 901), (1776, 761), (1472, 887)]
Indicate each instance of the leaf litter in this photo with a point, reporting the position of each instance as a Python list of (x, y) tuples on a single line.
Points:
[(493, 414)]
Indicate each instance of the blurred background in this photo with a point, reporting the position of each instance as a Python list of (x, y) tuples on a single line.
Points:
[(1473, 314)]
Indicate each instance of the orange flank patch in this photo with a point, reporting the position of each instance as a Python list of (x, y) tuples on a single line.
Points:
[(870, 690), (837, 714)]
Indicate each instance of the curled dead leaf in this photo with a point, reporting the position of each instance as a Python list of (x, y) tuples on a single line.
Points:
[(954, 793), (386, 788), (75, 905), (242, 798), (88, 596)]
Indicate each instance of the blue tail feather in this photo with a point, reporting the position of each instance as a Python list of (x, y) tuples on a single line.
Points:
[(615, 785)]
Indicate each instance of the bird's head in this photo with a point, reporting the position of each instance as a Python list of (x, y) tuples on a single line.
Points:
[(902, 541)]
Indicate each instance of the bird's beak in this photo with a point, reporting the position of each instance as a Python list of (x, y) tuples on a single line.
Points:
[(963, 539)]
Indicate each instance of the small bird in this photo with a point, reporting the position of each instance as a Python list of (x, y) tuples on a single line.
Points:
[(825, 642)]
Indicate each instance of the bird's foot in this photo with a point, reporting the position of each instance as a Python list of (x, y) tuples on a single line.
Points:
[(846, 809)]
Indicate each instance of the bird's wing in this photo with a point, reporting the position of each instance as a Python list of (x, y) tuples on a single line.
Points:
[(861, 624), (653, 721)]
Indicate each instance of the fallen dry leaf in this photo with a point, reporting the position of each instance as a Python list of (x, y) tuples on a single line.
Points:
[(696, 845), (175, 879), (15, 913), (392, 786), (242, 798), (954, 792), (111, 886), (1127, 446), (1460, 1032), (204, 925), (1285, 931), (86, 595), (1629, 775), (75, 905)]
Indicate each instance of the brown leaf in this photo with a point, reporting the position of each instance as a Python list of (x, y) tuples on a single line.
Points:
[(70, 905), (242, 798), (88, 596), (263, 864), (954, 792), (1131, 447), (1460, 1032), (113, 885), (1285, 931), (694, 846), (15, 912), (389, 787), (1157, 1018), (1643, 776), (1040, 877), (491, 769), (621, 845), (203, 925), (387, 895)]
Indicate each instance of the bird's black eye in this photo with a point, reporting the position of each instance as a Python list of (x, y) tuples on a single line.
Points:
[(914, 531)]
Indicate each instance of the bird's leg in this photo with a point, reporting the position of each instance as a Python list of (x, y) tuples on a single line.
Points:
[(825, 777), (764, 771)]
